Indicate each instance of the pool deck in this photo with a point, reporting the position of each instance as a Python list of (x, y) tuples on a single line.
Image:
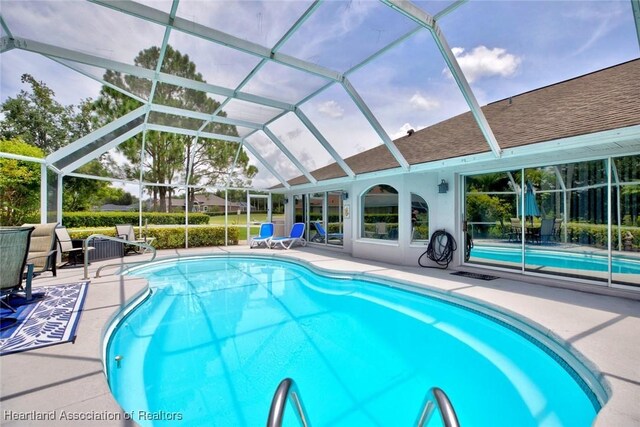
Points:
[(67, 379)]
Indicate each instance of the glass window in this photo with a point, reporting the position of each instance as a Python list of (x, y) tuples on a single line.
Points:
[(625, 211), (323, 218), (335, 222), (380, 213), (419, 219), (557, 217), (316, 216), (492, 207)]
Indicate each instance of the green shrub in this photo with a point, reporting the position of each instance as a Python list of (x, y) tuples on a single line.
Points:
[(596, 235), (111, 219), (172, 237), (373, 218)]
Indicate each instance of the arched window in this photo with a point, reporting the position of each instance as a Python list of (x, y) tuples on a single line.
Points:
[(380, 213), (419, 219)]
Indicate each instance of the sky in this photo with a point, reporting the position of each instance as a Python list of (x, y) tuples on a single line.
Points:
[(503, 47)]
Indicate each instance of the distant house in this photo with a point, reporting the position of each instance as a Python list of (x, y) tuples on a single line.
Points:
[(207, 203), (110, 207)]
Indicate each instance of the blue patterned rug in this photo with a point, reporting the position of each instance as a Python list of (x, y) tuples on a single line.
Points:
[(51, 318)]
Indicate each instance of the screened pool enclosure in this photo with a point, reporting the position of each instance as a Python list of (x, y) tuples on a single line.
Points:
[(375, 123)]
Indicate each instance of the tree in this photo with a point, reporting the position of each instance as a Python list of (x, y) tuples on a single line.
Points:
[(19, 182), (38, 119), (168, 156)]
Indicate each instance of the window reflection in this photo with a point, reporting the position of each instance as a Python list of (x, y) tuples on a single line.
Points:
[(380, 213), (558, 218), (419, 219)]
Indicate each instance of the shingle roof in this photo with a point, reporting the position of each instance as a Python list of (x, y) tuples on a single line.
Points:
[(599, 101)]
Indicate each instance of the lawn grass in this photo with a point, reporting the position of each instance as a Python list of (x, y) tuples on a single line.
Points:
[(235, 219)]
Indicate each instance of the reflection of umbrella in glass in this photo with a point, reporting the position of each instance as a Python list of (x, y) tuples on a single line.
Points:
[(530, 205)]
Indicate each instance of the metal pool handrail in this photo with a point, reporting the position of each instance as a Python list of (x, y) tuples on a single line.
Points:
[(287, 390), (85, 245), (437, 397)]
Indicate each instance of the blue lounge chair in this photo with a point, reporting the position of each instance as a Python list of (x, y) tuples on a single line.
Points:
[(263, 238), (295, 236), (321, 234)]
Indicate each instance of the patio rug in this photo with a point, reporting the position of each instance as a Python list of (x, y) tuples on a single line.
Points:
[(474, 275), (52, 318)]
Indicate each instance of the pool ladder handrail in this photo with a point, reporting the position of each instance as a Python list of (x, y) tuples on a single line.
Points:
[(287, 390), (85, 245), (437, 397)]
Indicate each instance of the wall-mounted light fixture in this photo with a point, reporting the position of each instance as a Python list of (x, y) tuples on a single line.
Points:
[(345, 196), (443, 187), (286, 200)]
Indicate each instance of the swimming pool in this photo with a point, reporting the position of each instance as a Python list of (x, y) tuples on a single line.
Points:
[(215, 336), (557, 259)]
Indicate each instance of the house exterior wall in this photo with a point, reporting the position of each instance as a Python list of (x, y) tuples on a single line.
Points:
[(443, 214)]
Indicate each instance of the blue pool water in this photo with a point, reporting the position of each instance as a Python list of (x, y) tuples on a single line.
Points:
[(557, 259), (216, 336)]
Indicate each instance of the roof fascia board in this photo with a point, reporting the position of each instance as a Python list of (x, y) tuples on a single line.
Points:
[(192, 132), (98, 133), (103, 149), (189, 27), (289, 155), (418, 15), (327, 146), (203, 116), (535, 151), (635, 6), (530, 152), (88, 59), (625, 134), (364, 109), (266, 164)]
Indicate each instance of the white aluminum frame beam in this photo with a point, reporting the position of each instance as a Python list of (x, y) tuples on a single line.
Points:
[(88, 59), (289, 155), (192, 132), (266, 164), (193, 28), (102, 149), (418, 15), (44, 193), (20, 157), (635, 6), (204, 116), (96, 134), (364, 109), (74, 67), (6, 44), (327, 146)]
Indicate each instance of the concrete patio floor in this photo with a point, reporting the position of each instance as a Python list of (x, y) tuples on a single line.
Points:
[(68, 378)]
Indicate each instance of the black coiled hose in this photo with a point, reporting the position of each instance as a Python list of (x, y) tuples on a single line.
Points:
[(441, 247)]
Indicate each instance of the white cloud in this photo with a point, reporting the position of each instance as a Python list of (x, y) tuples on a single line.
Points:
[(331, 109), (420, 102), (402, 131), (484, 62)]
